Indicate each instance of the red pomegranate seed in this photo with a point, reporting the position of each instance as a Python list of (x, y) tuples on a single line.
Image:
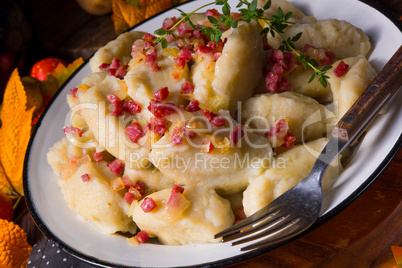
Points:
[(341, 69), (69, 130), (134, 132), (148, 204), (85, 177), (116, 166), (162, 94)]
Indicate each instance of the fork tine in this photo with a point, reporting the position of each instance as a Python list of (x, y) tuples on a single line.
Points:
[(264, 224), (263, 213), (286, 223), (279, 237)]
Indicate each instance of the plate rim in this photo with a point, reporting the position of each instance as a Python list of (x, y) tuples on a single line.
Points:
[(223, 262)]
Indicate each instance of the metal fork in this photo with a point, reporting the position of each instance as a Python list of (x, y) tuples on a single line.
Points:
[(297, 209)]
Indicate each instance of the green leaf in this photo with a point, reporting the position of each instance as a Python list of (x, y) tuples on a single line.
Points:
[(323, 81), (164, 43), (288, 15), (212, 20), (253, 6), (234, 24), (267, 5), (264, 31), (239, 4), (312, 77), (296, 37), (135, 3), (206, 30), (226, 10), (279, 13), (160, 31)]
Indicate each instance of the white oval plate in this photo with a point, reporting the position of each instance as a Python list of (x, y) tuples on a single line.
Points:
[(81, 239)]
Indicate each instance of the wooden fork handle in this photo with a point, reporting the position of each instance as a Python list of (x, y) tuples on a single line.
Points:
[(373, 98)]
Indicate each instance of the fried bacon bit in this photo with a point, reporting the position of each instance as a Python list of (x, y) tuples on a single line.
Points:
[(279, 63), (217, 121), (208, 146), (149, 39), (116, 166), (161, 94), (74, 92), (135, 192), (208, 115), (98, 156), (185, 29), (157, 125), (329, 58), (193, 106), (151, 57), (160, 110), (341, 69), (140, 187), (131, 106), (148, 204), (168, 23), (212, 13), (177, 189), (69, 130), (116, 184), (177, 202), (142, 237), (134, 132), (176, 137), (279, 135), (325, 57), (129, 197), (187, 88), (184, 56), (85, 177), (236, 135), (127, 181), (274, 83), (115, 68), (239, 214)]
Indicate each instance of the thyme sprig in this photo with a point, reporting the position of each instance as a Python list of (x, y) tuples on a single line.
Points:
[(249, 11)]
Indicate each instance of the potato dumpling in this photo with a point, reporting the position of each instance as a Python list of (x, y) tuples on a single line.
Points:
[(347, 88), (142, 83), (291, 167), (339, 36), (226, 170), (207, 214), (307, 118), (108, 129), (218, 87), (297, 15), (95, 201), (119, 48)]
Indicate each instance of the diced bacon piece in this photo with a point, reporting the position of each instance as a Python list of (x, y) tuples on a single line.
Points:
[(279, 130), (208, 115), (177, 139), (148, 204), (218, 121), (69, 130), (135, 193), (151, 57), (116, 63), (189, 133), (277, 69), (121, 72), (329, 58), (149, 39), (236, 135), (140, 186), (193, 106), (127, 181), (161, 94), (185, 29), (183, 57), (134, 132), (205, 49), (142, 237), (116, 184), (177, 189), (177, 202), (157, 125), (279, 135), (113, 99), (168, 23), (116, 166), (187, 88), (131, 106), (129, 197), (271, 82), (212, 13), (284, 85), (288, 140), (208, 146), (98, 156), (111, 72), (85, 177), (159, 109), (138, 47), (341, 69), (239, 214), (74, 92)]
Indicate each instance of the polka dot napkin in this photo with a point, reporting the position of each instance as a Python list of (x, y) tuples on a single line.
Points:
[(46, 254)]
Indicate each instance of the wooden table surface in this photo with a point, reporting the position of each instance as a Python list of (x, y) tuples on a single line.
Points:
[(359, 236)]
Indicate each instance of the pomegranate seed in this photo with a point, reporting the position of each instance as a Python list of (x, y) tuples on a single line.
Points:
[(148, 204)]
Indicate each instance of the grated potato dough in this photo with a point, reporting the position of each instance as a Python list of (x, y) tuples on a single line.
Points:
[(235, 126)]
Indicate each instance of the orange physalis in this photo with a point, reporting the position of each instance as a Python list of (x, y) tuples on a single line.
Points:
[(15, 132), (14, 248)]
